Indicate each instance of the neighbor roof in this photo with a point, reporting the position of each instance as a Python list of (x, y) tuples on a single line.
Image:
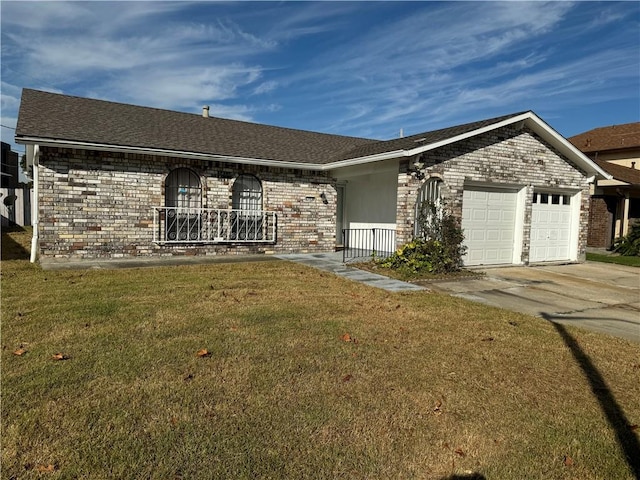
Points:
[(614, 137), (620, 172)]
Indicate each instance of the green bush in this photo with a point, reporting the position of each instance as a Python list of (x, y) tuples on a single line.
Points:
[(436, 249), (629, 245)]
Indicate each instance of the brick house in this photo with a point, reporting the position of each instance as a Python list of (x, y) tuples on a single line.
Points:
[(114, 180), (615, 202)]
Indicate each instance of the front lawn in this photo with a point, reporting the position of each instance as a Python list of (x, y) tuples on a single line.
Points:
[(632, 261), (305, 375)]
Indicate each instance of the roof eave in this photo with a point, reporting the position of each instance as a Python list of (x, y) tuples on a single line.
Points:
[(49, 142), (528, 118)]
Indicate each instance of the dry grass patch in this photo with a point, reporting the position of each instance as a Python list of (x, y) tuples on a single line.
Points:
[(425, 386)]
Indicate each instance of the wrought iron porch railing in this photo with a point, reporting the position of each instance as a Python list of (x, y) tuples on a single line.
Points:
[(210, 225), (361, 243)]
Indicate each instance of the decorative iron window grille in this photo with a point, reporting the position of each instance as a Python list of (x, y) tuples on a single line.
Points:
[(183, 198), (247, 208)]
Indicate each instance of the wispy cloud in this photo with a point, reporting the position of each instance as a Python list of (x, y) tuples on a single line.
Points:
[(356, 68), (445, 64)]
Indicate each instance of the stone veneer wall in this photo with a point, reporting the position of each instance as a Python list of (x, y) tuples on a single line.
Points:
[(100, 204), (506, 157)]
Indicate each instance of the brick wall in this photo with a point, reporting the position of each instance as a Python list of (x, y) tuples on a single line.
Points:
[(504, 157), (100, 204), (600, 222)]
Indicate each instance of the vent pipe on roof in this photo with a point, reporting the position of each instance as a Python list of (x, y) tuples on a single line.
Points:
[(205, 111)]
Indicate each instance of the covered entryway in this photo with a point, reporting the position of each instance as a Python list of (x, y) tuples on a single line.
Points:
[(551, 227), (489, 225)]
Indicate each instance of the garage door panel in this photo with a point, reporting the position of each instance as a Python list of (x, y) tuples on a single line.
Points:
[(488, 221), (550, 229), (479, 215)]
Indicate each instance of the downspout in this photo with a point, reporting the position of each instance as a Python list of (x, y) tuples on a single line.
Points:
[(34, 204)]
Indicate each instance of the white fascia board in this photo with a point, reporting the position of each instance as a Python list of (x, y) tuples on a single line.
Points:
[(529, 118), (418, 150), (464, 136), (167, 153), (362, 160)]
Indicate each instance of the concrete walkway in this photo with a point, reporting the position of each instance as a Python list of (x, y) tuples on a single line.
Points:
[(332, 262)]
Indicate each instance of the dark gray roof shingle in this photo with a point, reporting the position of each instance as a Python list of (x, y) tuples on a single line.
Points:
[(421, 139), (63, 117), (53, 116)]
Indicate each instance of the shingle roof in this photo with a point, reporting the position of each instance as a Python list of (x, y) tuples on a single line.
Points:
[(58, 117), (63, 117), (421, 139), (620, 172), (614, 137)]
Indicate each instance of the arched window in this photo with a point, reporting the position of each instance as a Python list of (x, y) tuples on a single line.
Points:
[(247, 194), (247, 217), (182, 189), (183, 203), (428, 206)]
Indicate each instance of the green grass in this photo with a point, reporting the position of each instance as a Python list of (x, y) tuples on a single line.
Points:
[(432, 387), (618, 259)]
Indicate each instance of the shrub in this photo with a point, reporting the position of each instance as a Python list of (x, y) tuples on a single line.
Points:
[(629, 245), (436, 249)]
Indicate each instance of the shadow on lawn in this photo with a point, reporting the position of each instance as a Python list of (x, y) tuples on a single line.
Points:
[(12, 250), (615, 416)]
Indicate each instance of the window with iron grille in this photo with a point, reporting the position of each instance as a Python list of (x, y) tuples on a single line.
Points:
[(183, 199), (247, 205)]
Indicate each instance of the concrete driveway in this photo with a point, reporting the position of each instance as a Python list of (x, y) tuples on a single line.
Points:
[(597, 296)]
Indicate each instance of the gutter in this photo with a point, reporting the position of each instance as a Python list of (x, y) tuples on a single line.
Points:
[(322, 167), (529, 118)]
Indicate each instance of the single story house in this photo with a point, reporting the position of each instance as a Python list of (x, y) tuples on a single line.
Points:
[(113, 180), (615, 202)]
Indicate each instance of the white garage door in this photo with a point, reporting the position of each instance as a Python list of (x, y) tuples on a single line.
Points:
[(550, 227), (488, 221)]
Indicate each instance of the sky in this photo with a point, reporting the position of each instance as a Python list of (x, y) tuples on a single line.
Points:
[(365, 69)]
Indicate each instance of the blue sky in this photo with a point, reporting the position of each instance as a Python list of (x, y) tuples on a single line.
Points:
[(364, 68)]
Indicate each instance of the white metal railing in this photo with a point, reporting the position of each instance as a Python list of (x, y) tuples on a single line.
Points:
[(212, 225), (362, 243)]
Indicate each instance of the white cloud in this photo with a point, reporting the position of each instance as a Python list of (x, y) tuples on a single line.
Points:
[(348, 67), (188, 88), (265, 87)]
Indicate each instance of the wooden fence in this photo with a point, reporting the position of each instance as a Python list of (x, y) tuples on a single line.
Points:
[(15, 206)]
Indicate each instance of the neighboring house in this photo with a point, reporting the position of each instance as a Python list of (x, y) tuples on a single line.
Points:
[(615, 202), (15, 198), (116, 180), (9, 171)]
